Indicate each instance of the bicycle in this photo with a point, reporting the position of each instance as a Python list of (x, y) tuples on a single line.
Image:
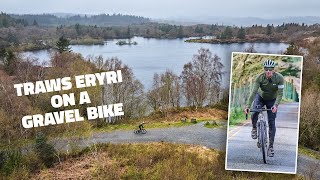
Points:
[(262, 131), (138, 131)]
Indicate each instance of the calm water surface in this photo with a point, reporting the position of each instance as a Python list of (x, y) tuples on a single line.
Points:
[(156, 55)]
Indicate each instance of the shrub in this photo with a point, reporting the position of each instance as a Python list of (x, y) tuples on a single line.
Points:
[(10, 160), (45, 151), (33, 163)]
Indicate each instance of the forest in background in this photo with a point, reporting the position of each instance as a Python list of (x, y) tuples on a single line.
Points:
[(53, 20), (28, 34), (93, 20)]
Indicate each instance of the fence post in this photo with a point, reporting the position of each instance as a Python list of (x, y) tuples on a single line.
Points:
[(285, 90), (293, 89), (250, 86), (234, 94)]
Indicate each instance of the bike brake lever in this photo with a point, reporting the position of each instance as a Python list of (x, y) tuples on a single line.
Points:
[(247, 114)]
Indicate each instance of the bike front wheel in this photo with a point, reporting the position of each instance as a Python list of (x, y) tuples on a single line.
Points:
[(262, 134), (143, 131)]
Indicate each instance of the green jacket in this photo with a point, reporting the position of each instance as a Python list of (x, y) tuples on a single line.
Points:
[(267, 90)]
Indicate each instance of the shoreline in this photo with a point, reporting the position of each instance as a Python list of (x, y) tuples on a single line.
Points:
[(235, 40)]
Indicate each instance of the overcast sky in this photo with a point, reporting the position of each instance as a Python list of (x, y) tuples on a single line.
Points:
[(168, 8)]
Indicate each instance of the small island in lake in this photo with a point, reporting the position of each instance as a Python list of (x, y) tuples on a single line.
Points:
[(123, 42)]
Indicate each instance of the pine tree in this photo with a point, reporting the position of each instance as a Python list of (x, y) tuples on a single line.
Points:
[(241, 33), (269, 30), (180, 32), (78, 28), (45, 151), (128, 32), (63, 45), (227, 33), (35, 23)]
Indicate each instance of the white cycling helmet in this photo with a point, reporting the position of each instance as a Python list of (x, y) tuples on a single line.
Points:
[(269, 63)]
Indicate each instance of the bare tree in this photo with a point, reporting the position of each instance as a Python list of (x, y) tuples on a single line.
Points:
[(153, 94), (129, 91), (165, 92), (12, 108), (201, 78)]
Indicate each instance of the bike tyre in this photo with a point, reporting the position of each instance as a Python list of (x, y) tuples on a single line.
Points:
[(262, 134), (143, 131)]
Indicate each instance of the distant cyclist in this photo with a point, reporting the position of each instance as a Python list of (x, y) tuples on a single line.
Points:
[(267, 90), (141, 125)]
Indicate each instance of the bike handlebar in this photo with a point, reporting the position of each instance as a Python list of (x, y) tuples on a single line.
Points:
[(257, 110)]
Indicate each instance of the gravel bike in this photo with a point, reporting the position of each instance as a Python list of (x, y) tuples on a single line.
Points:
[(138, 131), (262, 132)]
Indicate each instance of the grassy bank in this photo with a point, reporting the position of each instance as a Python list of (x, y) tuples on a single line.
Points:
[(237, 116), (148, 161), (87, 41), (257, 39), (35, 47), (212, 124), (30, 47), (308, 152)]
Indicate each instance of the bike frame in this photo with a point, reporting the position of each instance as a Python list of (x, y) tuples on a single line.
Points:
[(138, 131)]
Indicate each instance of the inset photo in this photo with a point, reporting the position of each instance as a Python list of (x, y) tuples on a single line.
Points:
[(264, 112)]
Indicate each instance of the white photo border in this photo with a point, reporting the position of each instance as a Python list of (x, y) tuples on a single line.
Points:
[(296, 160)]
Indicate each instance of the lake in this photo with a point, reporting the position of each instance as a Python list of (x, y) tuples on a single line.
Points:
[(151, 55)]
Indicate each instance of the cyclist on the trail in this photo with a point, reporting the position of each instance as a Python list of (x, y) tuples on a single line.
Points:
[(141, 125), (267, 90)]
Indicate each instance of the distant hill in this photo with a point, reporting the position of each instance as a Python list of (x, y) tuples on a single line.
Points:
[(246, 21), (102, 20), (98, 20)]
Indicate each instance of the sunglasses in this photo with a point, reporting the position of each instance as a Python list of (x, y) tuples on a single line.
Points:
[(268, 69)]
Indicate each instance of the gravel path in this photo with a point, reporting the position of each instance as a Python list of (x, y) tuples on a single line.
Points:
[(194, 134)]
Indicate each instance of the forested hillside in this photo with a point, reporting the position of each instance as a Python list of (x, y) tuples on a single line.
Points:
[(8, 21), (98, 20)]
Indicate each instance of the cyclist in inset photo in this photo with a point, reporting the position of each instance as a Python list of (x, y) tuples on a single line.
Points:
[(267, 90)]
